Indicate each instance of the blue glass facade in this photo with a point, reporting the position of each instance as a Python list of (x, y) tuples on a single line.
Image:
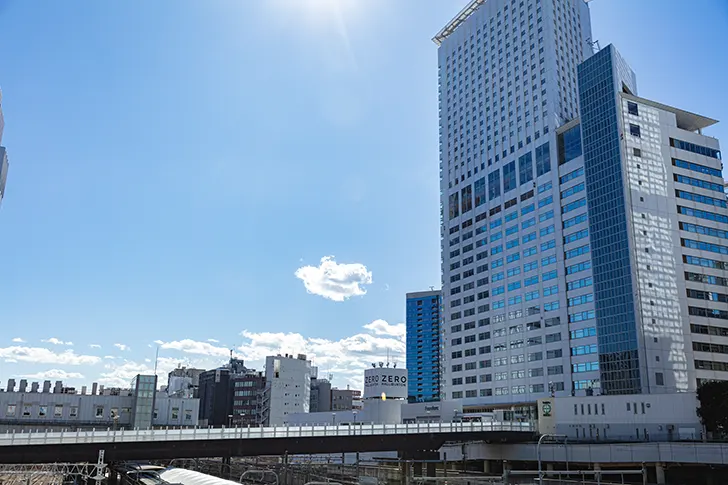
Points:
[(424, 346), (600, 79)]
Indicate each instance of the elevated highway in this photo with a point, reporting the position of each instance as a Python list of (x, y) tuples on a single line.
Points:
[(50, 447)]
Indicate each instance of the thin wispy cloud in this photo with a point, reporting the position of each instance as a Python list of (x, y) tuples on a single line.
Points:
[(56, 341), (39, 355), (55, 374)]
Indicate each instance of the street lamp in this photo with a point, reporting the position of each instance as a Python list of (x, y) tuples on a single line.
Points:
[(333, 418), (230, 420)]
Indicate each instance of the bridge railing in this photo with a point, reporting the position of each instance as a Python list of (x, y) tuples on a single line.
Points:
[(186, 434)]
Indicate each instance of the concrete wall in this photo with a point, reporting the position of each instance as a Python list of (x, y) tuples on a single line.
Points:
[(73, 411), (623, 417)]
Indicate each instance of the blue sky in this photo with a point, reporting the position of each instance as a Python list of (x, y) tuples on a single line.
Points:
[(180, 168)]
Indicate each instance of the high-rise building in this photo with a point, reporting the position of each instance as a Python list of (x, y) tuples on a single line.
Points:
[(658, 239), (424, 346), (581, 224)]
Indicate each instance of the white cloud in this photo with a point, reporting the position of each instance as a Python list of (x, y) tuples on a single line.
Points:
[(335, 281), (39, 355), (109, 357), (11, 361), (120, 373), (346, 358), (380, 327), (18, 340), (194, 347), (55, 374), (213, 341), (122, 347), (56, 341), (95, 346)]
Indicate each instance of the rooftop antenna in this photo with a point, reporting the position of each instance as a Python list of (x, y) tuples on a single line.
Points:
[(156, 360), (432, 288)]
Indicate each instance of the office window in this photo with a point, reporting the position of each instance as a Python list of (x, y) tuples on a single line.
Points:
[(632, 108), (525, 168), (543, 159), (634, 130)]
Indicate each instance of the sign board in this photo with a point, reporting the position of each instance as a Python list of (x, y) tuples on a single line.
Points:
[(390, 381)]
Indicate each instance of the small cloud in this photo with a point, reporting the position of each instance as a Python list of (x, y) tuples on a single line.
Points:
[(56, 341), (95, 346), (380, 327), (194, 347), (122, 347), (213, 341), (55, 374), (335, 281), (386, 287), (18, 340), (109, 357), (11, 361)]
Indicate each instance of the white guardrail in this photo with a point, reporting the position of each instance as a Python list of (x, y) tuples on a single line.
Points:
[(187, 434)]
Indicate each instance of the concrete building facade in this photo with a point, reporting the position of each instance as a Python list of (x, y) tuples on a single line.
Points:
[(128, 409), (247, 395), (584, 227), (287, 388)]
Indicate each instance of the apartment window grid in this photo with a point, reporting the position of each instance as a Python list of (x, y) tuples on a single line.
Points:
[(477, 175), (424, 346)]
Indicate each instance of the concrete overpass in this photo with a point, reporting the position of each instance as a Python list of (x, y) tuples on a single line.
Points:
[(48, 447)]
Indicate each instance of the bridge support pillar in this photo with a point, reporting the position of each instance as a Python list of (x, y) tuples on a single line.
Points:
[(417, 469), (597, 469), (431, 469), (486, 466), (549, 469), (404, 472), (506, 471), (225, 467), (660, 473)]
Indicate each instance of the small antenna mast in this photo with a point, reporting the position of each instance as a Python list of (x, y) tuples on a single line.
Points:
[(156, 360)]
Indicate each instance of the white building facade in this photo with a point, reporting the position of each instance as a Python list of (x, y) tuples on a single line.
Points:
[(590, 257), (507, 75), (58, 411), (287, 388)]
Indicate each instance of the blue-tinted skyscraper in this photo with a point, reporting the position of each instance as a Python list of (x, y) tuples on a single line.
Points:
[(424, 346)]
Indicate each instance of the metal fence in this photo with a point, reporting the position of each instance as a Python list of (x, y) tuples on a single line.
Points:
[(182, 434)]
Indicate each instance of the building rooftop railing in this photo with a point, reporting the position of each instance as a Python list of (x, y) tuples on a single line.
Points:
[(187, 434)]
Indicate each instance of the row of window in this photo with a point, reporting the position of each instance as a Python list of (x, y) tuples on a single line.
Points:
[(695, 167), (701, 214), (710, 347), (707, 231), (504, 391), (702, 199), (692, 147), (703, 184), (704, 246), (706, 279)]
